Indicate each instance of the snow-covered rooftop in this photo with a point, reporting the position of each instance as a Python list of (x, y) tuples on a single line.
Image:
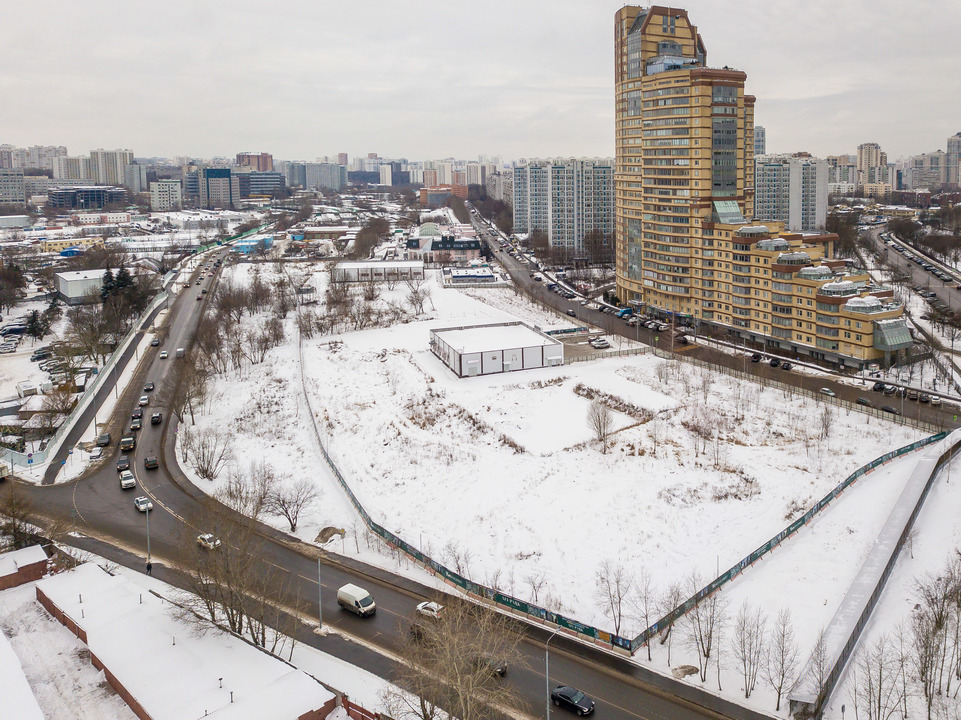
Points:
[(12, 561), (487, 338), (81, 275), (18, 699), (126, 625)]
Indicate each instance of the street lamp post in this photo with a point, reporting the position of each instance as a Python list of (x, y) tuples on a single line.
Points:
[(147, 514), (547, 678)]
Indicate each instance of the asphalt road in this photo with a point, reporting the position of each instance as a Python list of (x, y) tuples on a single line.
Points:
[(105, 521)]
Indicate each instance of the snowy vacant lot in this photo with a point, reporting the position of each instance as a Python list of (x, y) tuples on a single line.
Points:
[(501, 477)]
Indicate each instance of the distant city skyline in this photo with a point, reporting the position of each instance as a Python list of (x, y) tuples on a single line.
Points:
[(436, 80)]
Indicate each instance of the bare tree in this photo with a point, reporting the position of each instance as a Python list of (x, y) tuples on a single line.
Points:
[(15, 512), (453, 662), (780, 669), (600, 420), (613, 585), (209, 451), (655, 427), (671, 599), (876, 680), (292, 499), (643, 602), (248, 492), (703, 623), (371, 290), (820, 662), (416, 296), (748, 643)]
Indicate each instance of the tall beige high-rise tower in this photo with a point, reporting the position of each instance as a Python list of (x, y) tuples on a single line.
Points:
[(685, 157), (686, 245)]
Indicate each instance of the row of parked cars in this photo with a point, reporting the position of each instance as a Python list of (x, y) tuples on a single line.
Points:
[(773, 362), (916, 395)]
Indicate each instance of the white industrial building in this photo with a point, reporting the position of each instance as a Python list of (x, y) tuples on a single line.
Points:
[(74, 287), (378, 270), (497, 348)]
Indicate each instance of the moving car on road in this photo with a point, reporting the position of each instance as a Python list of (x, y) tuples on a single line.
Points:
[(127, 480), (143, 503), (828, 391), (151, 463), (208, 542), (572, 699), (430, 609)]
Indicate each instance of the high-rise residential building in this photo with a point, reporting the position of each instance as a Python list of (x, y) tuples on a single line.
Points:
[(928, 171), (12, 188), (952, 159), (107, 166), (684, 190), (760, 140), (874, 174), (500, 186), (325, 176), (165, 195), (6, 157), (297, 174), (263, 162), (386, 173), (135, 178), (341, 158), (42, 156), (71, 168), (792, 188), (565, 197)]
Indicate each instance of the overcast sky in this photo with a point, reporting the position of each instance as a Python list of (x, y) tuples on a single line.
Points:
[(432, 79)]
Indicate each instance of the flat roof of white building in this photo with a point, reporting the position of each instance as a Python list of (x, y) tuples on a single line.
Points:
[(485, 338), (380, 264), (81, 275), (170, 670)]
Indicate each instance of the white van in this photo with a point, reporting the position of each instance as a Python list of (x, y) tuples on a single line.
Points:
[(357, 600), (181, 352)]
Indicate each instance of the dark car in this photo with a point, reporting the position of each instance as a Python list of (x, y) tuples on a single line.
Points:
[(137, 414), (123, 463), (154, 343), (136, 424), (489, 665), (572, 699), (864, 401), (151, 463), (775, 362), (878, 387), (572, 313), (103, 440), (889, 409), (148, 386), (156, 418), (756, 357), (786, 366)]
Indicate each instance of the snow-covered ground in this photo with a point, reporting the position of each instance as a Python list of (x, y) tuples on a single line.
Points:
[(500, 476)]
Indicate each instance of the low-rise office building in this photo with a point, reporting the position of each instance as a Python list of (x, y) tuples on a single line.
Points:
[(473, 350)]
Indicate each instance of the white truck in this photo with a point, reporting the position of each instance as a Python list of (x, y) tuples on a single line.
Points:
[(356, 600)]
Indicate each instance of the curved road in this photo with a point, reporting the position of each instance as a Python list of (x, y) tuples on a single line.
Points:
[(105, 521)]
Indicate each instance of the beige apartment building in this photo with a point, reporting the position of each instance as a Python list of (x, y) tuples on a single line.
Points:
[(684, 193)]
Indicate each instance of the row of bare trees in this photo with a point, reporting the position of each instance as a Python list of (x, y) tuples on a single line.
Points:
[(707, 630)]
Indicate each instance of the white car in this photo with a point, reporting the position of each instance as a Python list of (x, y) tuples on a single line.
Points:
[(163, 355), (143, 503), (208, 541), (430, 609), (127, 480), (144, 400)]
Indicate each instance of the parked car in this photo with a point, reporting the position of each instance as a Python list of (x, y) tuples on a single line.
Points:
[(143, 503), (935, 401), (756, 357), (571, 698), (924, 397), (571, 313), (889, 409), (775, 362), (103, 440), (786, 366), (878, 387), (912, 394)]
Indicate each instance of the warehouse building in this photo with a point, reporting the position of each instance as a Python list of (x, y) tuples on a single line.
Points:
[(76, 287), (378, 270), (497, 348)]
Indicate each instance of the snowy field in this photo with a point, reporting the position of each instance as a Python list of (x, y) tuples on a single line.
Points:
[(501, 478)]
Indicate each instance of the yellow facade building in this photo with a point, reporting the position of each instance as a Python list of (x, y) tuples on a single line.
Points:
[(686, 244)]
